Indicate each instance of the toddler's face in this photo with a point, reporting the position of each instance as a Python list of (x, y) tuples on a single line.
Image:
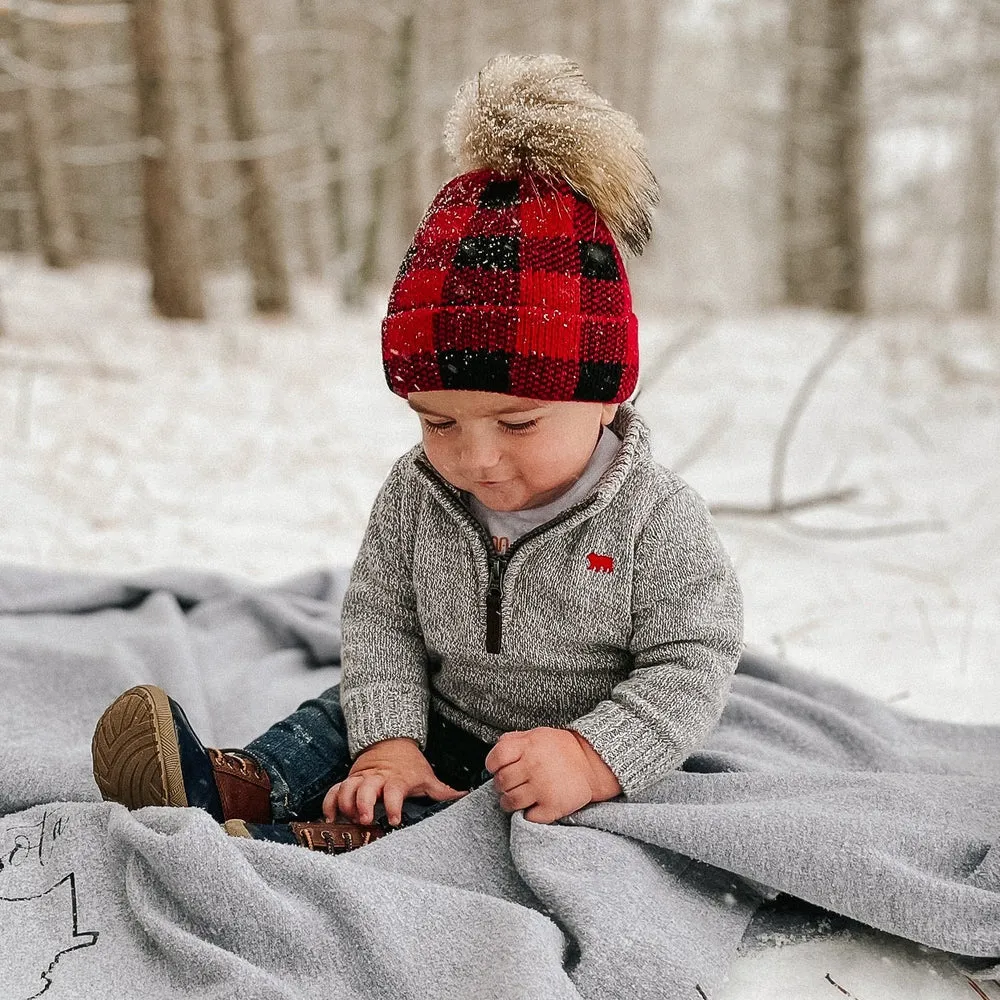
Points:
[(509, 453)]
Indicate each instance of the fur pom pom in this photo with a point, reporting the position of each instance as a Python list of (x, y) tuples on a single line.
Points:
[(537, 113)]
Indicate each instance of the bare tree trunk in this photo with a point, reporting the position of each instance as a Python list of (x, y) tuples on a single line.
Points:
[(416, 179), (645, 59), (46, 176), (612, 30), (392, 137), (976, 271), (824, 253), (349, 142), (575, 35), (18, 221), (17, 217), (469, 17), (975, 275), (315, 92), (431, 74), (210, 175), (338, 199), (595, 68), (266, 252), (172, 244)]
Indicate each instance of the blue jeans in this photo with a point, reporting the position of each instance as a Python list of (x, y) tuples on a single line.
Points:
[(306, 753)]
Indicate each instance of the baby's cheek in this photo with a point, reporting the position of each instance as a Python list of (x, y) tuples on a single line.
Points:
[(544, 467), (436, 455)]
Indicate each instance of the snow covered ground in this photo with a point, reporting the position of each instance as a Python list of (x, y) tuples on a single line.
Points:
[(255, 448)]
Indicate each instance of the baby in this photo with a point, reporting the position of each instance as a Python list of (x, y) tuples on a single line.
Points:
[(535, 600)]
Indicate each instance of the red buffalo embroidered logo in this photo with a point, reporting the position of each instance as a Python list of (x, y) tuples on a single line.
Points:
[(600, 564)]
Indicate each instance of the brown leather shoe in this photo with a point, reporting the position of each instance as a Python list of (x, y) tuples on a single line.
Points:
[(145, 753), (243, 785), (330, 838)]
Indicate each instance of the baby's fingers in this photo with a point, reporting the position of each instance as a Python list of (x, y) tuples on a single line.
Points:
[(364, 802), (440, 792), (506, 750), (392, 797), (518, 798), (346, 799), (330, 802)]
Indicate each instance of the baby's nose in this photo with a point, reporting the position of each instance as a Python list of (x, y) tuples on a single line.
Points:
[(478, 455)]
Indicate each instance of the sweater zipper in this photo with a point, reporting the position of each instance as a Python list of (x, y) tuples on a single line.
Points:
[(496, 564), (494, 606)]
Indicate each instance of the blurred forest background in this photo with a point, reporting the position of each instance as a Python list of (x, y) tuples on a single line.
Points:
[(837, 154)]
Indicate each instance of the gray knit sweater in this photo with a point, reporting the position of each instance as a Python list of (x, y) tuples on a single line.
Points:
[(620, 619)]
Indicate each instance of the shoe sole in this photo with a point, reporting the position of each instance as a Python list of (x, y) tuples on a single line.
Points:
[(136, 758)]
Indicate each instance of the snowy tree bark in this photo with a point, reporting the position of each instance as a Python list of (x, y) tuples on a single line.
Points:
[(824, 249), (349, 139), (265, 248), (172, 245), (46, 176), (314, 92), (393, 135), (214, 182), (982, 176), (645, 57), (976, 270), (415, 130)]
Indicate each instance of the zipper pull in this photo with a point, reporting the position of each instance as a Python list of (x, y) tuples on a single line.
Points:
[(494, 597)]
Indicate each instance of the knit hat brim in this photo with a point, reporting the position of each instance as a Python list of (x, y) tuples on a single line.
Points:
[(528, 351)]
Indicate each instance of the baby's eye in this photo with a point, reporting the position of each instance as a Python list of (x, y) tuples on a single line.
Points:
[(521, 428), (438, 428)]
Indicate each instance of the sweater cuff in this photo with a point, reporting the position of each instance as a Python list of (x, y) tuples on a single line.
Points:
[(384, 715), (636, 754)]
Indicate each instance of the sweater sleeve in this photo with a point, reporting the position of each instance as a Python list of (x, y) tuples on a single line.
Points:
[(687, 636), (384, 683)]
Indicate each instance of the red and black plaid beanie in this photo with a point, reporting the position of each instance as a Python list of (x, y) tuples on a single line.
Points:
[(514, 282)]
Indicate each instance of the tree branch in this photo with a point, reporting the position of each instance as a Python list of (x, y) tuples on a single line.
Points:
[(798, 405), (786, 506), (780, 508)]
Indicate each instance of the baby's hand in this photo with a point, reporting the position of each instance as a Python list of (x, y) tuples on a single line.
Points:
[(549, 773), (392, 771)]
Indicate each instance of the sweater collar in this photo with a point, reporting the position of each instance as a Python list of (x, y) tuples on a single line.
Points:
[(628, 425)]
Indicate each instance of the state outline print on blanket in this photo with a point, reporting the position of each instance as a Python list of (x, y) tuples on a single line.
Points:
[(38, 909)]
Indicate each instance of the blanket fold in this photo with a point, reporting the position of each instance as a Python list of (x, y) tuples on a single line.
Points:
[(805, 788)]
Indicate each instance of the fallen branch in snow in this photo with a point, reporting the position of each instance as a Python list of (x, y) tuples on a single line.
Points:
[(867, 531), (977, 989), (798, 405), (779, 507), (833, 982), (785, 506), (957, 372)]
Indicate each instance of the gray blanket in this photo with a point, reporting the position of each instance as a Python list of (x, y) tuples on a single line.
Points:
[(805, 788)]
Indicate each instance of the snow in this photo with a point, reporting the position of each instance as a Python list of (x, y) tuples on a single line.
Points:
[(255, 448), (856, 965)]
